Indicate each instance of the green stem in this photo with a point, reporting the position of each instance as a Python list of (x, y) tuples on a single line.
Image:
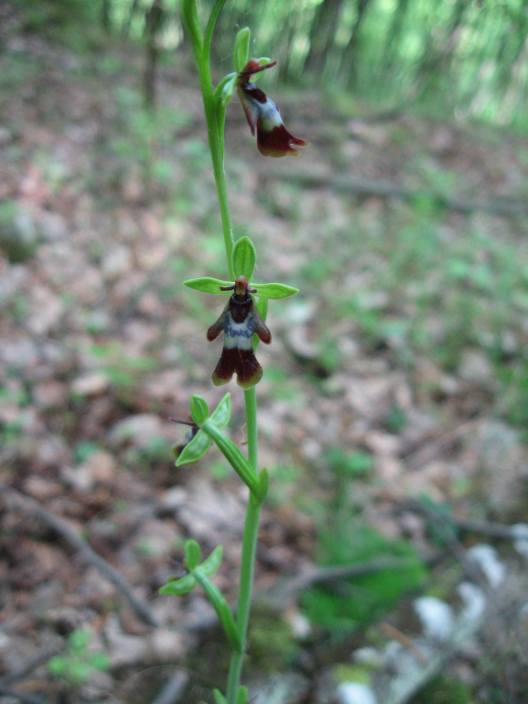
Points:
[(215, 130), (249, 549), (216, 146)]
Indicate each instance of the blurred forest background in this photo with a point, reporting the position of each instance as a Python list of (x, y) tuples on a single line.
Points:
[(394, 406)]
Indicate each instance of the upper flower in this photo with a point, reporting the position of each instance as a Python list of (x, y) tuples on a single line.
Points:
[(273, 139)]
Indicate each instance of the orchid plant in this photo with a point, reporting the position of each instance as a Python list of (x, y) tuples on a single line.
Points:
[(243, 324)]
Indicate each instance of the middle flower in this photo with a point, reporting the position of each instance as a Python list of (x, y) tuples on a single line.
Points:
[(239, 321)]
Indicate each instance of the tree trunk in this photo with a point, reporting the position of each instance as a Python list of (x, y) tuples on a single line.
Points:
[(153, 22), (349, 60), (322, 34)]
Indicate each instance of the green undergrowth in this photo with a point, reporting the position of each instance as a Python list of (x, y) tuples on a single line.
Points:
[(443, 690), (357, 602), (417, 283)]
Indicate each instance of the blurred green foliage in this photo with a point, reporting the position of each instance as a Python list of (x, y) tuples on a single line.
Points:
[(443, 690), (77, 664), (459, 57), (350, 604)]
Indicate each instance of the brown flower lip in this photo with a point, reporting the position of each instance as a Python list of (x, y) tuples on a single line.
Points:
[(263, 115)]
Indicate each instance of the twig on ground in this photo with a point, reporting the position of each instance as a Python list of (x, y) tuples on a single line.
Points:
[(487, 528), (28, 667), (173, 690), (501, 206), (24, 698), (69, 535)]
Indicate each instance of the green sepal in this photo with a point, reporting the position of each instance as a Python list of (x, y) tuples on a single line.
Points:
[(275, 290), (211, 564), (233, 455), (242, 695), (222, 608), (219, 697), (191, 23), (261, 305), (208, 284), (201, 442), (224, 90), (241, 50), (178, 587), (244, 258), (199, 409), (263, 479), (193, 555)]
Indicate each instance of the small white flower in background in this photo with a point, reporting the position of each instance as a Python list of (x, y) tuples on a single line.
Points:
[(474, 601), (521, 543), (355, 693), (436, 617), (486, 558)]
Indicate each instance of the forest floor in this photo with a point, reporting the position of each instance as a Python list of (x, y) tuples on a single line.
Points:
[(400, 371)]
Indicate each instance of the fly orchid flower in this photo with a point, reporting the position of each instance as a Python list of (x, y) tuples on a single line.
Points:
[(239, 321), (273, 139)]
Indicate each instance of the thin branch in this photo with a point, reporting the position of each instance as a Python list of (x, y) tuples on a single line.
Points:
[(24, 698), (28, 667), (487, 528), (70, 536), (501, 206), (173, 690)]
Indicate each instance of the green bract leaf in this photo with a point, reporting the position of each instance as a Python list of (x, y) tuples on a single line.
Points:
[(241, 50), (191, 23), (178, 587), (219, 697), (275, 290), (195, 449), (233, 455), (222, 413), (212, 563), (193, 554), (242, 696), (244, 258), (199, 409), (201, 442), (206, 284), (263, 484), (222, 608)]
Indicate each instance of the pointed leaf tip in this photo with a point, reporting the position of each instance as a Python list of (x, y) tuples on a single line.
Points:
[(244, 258), (199, 409), (222, 413), (193, 554), (178, 587), (219, 697), (194, 450), (212, 563)]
